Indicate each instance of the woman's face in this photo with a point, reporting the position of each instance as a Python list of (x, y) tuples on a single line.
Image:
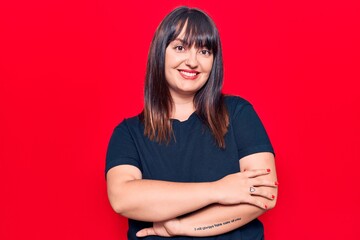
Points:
[(186, 68)]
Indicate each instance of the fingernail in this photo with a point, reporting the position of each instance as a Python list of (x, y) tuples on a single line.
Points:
[(272, 196), (268, 170), (276, 183)]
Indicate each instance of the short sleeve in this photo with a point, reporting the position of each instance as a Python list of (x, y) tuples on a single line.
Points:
[(122, 148), (250, 134)]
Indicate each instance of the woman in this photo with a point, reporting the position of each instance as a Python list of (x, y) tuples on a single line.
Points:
[(194, 163)]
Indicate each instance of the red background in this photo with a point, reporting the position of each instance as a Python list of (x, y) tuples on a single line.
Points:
[(72, 70)]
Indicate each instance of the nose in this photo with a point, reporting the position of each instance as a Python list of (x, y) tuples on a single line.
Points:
[(191, 60)]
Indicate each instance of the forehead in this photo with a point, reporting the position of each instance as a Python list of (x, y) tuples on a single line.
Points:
[(189, 35), (183, 30), (181, 33)]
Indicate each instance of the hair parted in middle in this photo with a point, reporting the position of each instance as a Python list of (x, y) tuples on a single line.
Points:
[(208, 101)]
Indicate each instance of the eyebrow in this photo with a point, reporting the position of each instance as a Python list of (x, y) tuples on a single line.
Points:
[(183, 42), (180, 40)]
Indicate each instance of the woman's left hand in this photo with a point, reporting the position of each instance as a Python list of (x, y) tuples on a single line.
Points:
[(167, 228)]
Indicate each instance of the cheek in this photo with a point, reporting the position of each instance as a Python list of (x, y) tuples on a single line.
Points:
[(167, 59), (208, 66), (175, 61), (172, 60)]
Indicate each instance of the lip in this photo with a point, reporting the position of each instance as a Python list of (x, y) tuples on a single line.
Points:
[(188, 74)]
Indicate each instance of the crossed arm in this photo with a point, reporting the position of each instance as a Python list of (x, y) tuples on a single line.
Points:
[(214, 207)]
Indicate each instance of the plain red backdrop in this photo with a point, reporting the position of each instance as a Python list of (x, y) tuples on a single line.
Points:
[(70, 71)]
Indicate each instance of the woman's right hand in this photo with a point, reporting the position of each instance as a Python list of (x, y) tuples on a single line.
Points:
[(241, 187)]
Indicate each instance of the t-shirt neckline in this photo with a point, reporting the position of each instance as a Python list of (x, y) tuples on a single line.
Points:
[(190, 118)]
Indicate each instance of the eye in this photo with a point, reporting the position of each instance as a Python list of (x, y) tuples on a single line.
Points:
[(205, 52), (179, 48)]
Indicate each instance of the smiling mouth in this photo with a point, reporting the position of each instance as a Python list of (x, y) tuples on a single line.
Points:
[(189, 74)]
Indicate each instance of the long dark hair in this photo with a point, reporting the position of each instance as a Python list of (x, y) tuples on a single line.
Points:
[(208, 101)]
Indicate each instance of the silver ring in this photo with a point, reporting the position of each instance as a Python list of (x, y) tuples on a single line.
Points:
[(252, 189)]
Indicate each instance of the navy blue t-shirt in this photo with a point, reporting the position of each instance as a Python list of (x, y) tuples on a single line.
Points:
[(192, 156)]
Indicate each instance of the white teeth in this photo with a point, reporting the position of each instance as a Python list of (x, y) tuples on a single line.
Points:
[(188, 74)]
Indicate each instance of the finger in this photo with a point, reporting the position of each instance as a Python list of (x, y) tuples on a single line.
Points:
[(261, 193), (255, 202), (146, 232), (263, 182), (257, 172)]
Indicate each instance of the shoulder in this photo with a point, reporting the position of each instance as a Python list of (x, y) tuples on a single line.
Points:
[(235, 104), (129, 124)]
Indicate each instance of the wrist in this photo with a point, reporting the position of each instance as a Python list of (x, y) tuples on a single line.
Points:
[(215, 196), (174, 227)]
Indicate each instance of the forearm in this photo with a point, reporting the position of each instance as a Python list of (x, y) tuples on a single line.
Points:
[(217, 219), (156, 201), (230, 211), (151, 200)]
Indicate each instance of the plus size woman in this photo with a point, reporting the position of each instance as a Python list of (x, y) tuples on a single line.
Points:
[(195, 163)]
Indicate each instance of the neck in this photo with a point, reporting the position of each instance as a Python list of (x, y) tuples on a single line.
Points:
[(183, 107)]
